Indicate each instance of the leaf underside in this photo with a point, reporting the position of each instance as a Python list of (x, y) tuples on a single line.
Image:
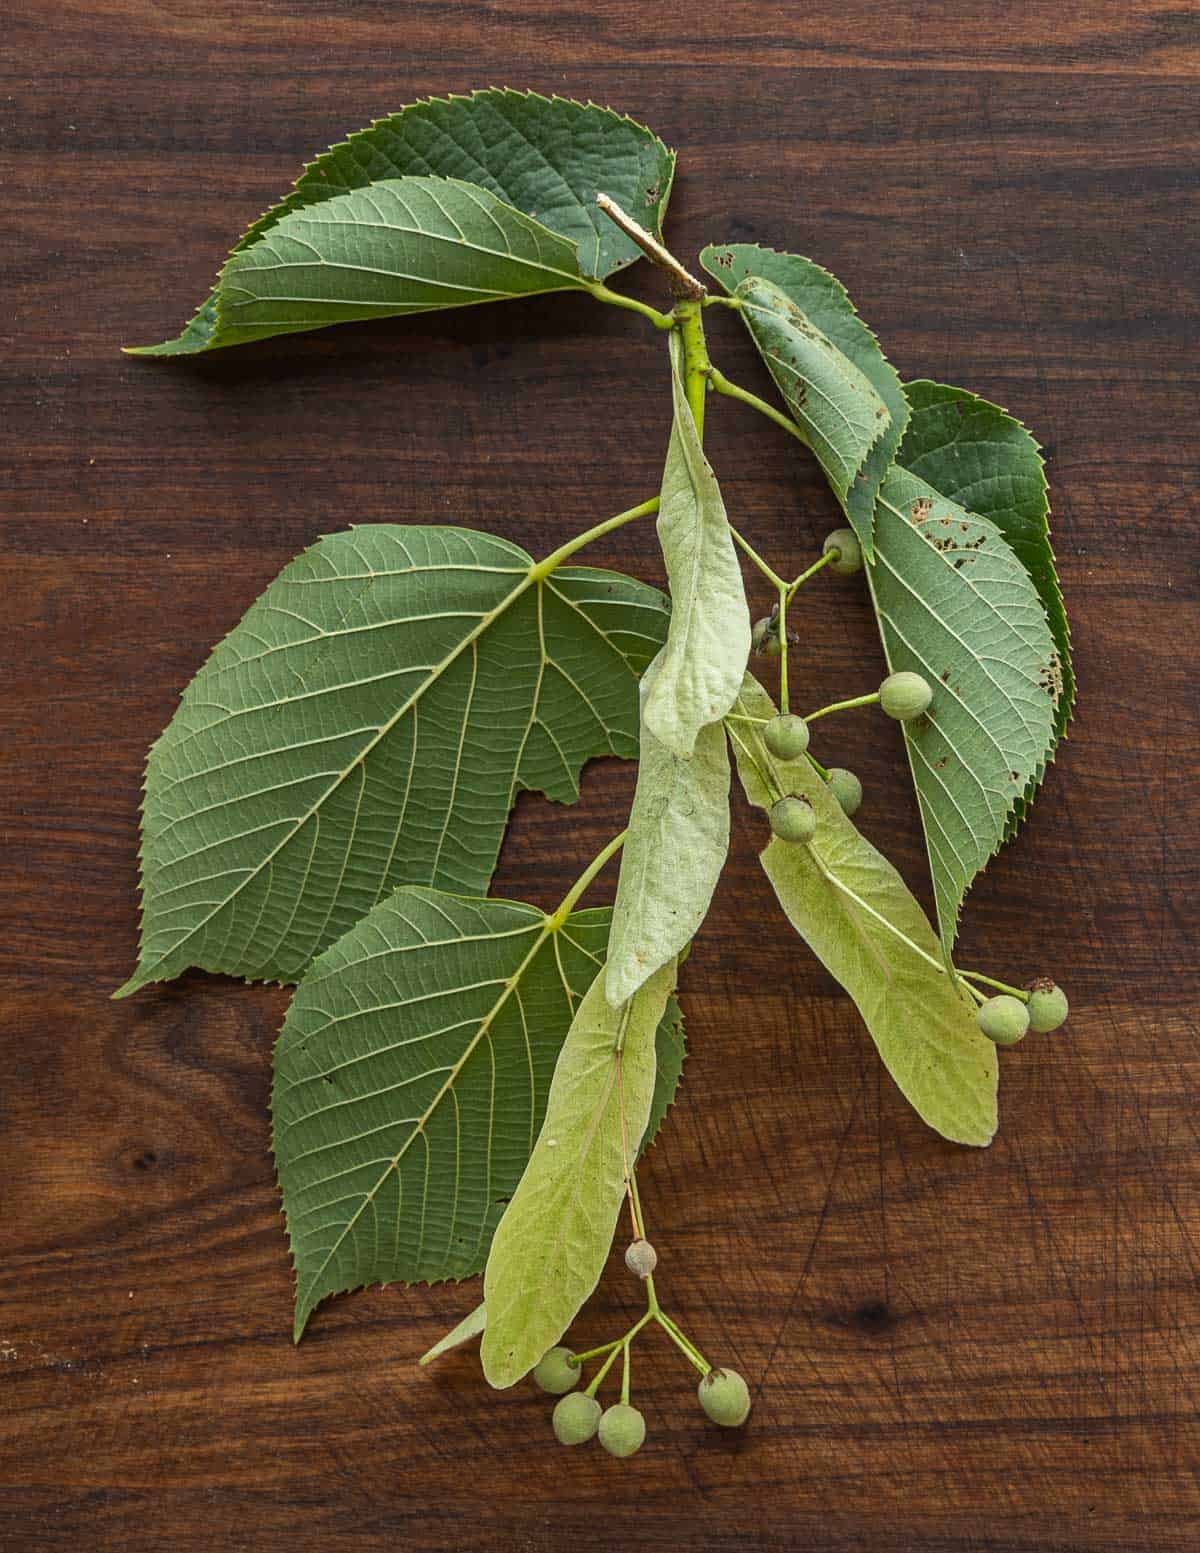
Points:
[(552, 1243), (547, 157), (471, 1325), (822, 303), (405, 245), (984, 459), (850, 906), (956, 606), (369, 724), (708, 640), (959, 561), (411, 1078), (675, 848)]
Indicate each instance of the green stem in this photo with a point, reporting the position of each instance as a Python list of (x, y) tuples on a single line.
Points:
[(567, 904), (842, 706), (688, 1349), (735, 302), (625, 1376), (784, 596), (830, 555), (764, 567), (731, 391), (601, 292), (1000, 986), (696, 365), (817, 767), (581, 1359), (564, 552), (974, 991), (594, 1384)]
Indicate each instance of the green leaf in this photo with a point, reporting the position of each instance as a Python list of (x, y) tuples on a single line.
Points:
[(814, 329), (405, 245), (471, 1325), (982, 458), (854, 911), (368, 724), (411, 1078), (708, 641), (548, 157), (551, 1245), (957, 606), (673, 855)]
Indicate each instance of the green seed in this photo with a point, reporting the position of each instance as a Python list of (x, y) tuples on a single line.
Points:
[(1048, 1007), (576, 1418), (904, 695), (622, 1429), (725, 1397), (792, 819), (846, 788), (555, 1373), (845, 542), (1003, 1019), (786, 736)]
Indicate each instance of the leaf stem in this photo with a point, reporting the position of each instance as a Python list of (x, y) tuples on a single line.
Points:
[(567, 904), (842, 706), (625, 1374), (556, 557), (603, 293), (1000, 986), (732, 391), (817, 766)]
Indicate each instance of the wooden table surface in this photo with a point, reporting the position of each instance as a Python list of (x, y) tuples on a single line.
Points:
[(950, 1350)]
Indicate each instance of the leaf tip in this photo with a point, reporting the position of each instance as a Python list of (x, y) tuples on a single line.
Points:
[(128, 988)]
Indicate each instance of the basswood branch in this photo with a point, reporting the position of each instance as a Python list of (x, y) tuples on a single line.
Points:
[(684, 284)]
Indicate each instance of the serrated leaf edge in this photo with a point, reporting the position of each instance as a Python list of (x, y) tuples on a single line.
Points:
[(283, 207)]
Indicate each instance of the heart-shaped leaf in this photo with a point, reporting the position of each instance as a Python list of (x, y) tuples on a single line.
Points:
[(857, 916), (368, 724), (956, 606), (411, 1078), (708, 640), (550, 1247), (983, 458), (673, 855), (547, 157), (843, 392)]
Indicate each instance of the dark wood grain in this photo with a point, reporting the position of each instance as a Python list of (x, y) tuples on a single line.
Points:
[(951, 1351)]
